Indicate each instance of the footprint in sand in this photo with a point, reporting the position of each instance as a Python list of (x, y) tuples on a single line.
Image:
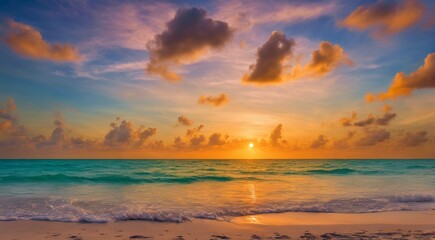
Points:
[(139, 237), (217, 237)]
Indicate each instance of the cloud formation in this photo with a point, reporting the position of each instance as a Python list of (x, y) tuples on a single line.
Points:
[(187, 37), (7, 114), (323, 61), (271, 65), (423, 77), (244, 15), (123, 134), (411, 139), (57, 137), (271, 57), (319, 142), (372, 137), (216, 101), (385, 17), (383, 120), (12, 134), (183, 120), (276, 135), (193, 139), (217, 139), (28, 42)]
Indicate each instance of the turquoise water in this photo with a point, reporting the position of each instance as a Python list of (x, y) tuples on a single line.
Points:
[(179, 190)]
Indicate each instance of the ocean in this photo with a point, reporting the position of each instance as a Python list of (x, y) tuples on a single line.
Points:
[(180, 190)]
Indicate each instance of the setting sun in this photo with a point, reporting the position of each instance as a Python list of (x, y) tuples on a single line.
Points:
[(251, 145)]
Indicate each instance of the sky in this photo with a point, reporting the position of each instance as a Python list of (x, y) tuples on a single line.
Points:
[(217, 79)]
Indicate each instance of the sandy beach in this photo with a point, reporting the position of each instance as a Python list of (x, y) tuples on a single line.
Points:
[(387, 225)]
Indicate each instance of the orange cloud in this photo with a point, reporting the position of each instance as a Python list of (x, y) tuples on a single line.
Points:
[(28, 42), (192, 140), (348, 121), (7, 114), (323, 61), (319, 142), (403, 85), (411, 139), (217, 139), (187, 36), (370, 120), (271, 58), (373, 137), (385, 17), (217, 101), (183, 120)]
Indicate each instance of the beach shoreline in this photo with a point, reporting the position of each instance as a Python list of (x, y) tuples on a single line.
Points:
[(294, 225)]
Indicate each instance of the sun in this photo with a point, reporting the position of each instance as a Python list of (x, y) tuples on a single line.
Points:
[(251, 145)]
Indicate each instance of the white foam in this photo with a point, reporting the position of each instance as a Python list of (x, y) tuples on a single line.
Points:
[(64, 210)]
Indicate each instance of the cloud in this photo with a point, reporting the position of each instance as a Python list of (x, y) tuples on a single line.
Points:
[(7, 114), (272, 56), (187, 37), (197, 140), (124, 134), (119, 134), (411, 139), (244, 15), (323, 61), (372, 137), (269, 67), (78, 141), (144, 134), (217, 101), (194, 131), (319, 142), (423, 77), (183, 120), (58, 135), (12, 134), (4, 125), (344, 142), (275, 135), (28, 42), (192, 139), (348, 121), (217, 139), (383, 120), (385, 17)]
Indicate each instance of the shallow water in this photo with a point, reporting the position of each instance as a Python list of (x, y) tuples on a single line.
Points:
[(178, 190)]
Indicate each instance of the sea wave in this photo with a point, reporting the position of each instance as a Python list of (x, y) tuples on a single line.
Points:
[(64, 210), (331, 171), (336, 171), (410, 198), (116, 179)]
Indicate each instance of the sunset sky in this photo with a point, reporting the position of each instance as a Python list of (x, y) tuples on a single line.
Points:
[(204, 79)]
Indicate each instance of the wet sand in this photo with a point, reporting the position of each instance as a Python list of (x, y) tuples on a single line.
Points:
[(388, 225)]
